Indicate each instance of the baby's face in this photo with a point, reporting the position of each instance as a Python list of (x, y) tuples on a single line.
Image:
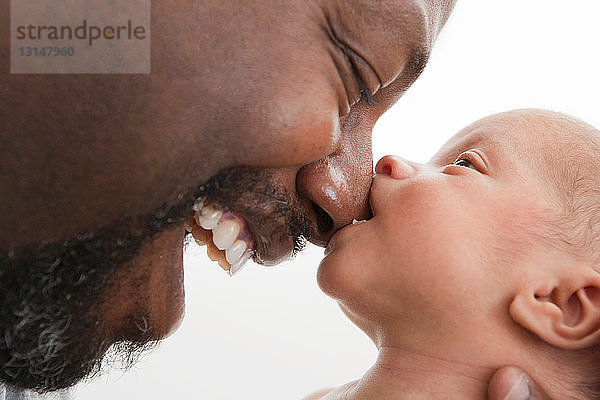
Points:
[(447, 238)]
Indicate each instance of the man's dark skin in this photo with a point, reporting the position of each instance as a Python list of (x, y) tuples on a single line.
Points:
[(257, 105)]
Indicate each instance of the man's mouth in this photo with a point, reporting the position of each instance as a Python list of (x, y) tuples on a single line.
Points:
[(253, 207), (225, 233)]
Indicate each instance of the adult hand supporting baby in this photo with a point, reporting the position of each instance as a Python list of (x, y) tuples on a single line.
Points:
[(511, 383)]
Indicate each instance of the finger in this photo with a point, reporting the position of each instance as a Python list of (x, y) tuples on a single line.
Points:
[(511, 383)]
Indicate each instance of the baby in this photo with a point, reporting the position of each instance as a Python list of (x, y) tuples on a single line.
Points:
[(488, 255)]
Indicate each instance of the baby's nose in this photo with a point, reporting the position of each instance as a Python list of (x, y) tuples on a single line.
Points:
[(395, 167)]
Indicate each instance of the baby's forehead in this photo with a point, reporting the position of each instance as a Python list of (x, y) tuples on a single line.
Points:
[(529, 133)]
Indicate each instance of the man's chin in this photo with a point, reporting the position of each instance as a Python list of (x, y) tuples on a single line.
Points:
[(175, 326), (103, 298), (69, 357), (55, 327)]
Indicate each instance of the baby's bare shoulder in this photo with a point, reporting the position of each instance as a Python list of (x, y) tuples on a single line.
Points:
[(331, 393), (318, 395)]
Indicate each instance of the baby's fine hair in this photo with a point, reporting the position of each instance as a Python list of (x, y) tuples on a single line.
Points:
[(570, 165)]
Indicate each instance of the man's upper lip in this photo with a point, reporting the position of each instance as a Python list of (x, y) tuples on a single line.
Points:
[(272, 244)]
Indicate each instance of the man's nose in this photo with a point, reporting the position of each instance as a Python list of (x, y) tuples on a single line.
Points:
[(395, 167), (338, 188)]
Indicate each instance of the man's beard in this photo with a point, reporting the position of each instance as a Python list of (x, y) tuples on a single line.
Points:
[(51, 323), (52, 330), (52, 333)]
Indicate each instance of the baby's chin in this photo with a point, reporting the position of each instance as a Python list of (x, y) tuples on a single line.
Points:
[(350, 285), (333, 279)]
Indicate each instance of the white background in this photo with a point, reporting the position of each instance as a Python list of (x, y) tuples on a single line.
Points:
[(270, 333)]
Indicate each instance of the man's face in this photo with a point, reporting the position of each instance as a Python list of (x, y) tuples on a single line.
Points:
[(263, 104)]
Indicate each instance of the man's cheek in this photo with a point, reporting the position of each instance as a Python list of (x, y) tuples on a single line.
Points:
[(294, 127)]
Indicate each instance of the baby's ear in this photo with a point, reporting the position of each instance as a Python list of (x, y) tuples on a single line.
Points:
[(563, 310)]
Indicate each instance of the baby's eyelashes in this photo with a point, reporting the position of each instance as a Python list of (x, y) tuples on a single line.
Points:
[(464, 163), (472, 159)]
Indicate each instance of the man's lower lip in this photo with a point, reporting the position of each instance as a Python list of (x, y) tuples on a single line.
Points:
[(280, 250)]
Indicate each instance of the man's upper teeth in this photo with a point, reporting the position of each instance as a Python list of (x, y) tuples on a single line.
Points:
[(225, 233), (208, 216), (237, 267), (235, 252), (229, 234)]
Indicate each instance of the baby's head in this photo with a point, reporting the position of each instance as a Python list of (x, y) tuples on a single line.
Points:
[(489, 253)]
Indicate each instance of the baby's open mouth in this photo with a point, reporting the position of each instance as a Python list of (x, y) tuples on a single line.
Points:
[(224, 232)]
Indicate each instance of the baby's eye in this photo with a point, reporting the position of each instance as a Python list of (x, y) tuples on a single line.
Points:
[(472, 159), (465, 163)]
